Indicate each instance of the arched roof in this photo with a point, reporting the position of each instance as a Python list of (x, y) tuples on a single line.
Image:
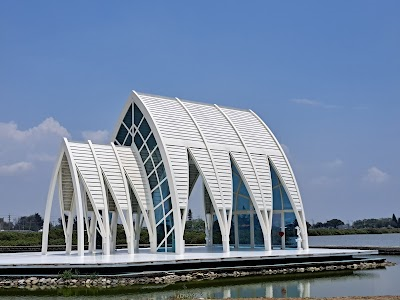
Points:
[(103, 168), (214, 136)]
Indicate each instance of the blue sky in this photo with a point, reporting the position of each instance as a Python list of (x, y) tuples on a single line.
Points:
[(324, 75)]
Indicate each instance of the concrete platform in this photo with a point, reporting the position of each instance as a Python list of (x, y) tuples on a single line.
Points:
[(144, 262)]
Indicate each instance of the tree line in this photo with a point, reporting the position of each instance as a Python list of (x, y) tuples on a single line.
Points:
[(392, 222)]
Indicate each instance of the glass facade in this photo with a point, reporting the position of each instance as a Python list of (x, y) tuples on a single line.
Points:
[(243, 217), (134, 128), (283, 218)]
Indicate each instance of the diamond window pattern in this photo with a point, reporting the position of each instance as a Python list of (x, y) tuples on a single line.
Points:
[(139, 130)]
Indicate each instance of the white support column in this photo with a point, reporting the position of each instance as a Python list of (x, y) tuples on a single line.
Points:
[(126, 215), (70, 229), (49, 202), (114, 225), (208, 229), (138, 226), (105, 217), (93, 233)]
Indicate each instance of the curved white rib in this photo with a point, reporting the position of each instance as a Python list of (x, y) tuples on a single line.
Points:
[(226, 219), (262, 216), (300, 217), (179, 243)]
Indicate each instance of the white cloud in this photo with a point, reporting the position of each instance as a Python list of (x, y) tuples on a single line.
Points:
[(375, 175), (309, 102), (42, 157), (15, 168), (325, 181), (28, 147), (47, 127), (99, 136), (334, 163)]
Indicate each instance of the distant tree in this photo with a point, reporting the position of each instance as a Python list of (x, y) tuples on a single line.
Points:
[(190, 215), (308, 225), (33, 222), (372, 223), (319, 225), (334, 223), (394, 222), (198, 225)]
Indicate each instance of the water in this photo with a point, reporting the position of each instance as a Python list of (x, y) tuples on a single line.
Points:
[(334, 284), (383, 240)]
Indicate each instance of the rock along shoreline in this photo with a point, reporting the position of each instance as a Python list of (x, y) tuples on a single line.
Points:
[(71, 279)]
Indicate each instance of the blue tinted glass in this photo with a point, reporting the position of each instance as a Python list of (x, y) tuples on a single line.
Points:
[(243, 203), (160, 232), (276, 198), (165, 189), (167, 205), (234, 170), (144, 153), (276, 228), (153, 181), (161, 172), (138, 141), (290, 218), (275, 180), (156, 197), (217, 238), (148, 166), (137, 115), (286, 201), (128, 140), (243, 191), (128, 117), (169, 221), (258, 234), (151, 142), (159, 213), (236, 180), (244, 229), (144, 129), (171, 242), (122, 132), (116, 143), (156, 156)]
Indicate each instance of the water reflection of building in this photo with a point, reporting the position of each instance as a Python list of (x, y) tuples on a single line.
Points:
[(276, 289), (265, 289)]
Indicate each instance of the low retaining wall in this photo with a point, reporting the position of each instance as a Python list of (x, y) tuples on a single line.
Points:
[(69, 279)]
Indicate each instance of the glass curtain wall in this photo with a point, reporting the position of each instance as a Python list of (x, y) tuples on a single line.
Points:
[(244, 218), (135, 128), (283, 220)]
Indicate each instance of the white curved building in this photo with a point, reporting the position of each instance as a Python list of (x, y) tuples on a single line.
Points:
[(144, 178)]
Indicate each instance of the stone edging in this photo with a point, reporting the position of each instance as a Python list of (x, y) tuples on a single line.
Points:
[(34, 283)]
